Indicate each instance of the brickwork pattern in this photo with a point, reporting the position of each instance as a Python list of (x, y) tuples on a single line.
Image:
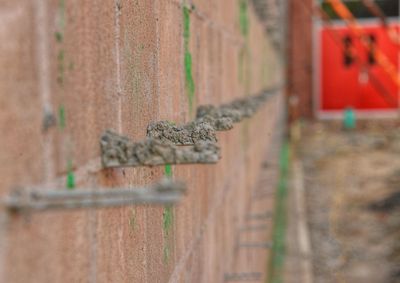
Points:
[(121, 64), (300, 67)]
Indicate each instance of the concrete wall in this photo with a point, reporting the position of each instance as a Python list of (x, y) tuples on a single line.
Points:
[(119, 64)]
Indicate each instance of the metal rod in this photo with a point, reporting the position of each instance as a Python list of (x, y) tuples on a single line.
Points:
[(165, 192), (164, 187), (88, 203)]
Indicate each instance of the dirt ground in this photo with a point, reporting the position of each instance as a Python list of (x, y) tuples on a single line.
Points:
[(352, 201)]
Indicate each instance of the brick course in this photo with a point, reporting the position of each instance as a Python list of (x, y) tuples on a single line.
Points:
[(119, 64)]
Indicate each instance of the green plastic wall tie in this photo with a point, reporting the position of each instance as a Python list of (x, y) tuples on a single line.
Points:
[(349, 119)]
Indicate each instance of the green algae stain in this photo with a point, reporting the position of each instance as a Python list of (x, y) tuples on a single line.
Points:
[(244, 53), (168, 220), (189, 81), (59, 37), (186, 25), (166, 254), (168, 170), (278, 250), (61, 117), (61, 67), (241, 65), (190, 88), (70, 182), (71, 66), (61, 12), (243, 17), (60, 77), (244, 68), (132, 220)]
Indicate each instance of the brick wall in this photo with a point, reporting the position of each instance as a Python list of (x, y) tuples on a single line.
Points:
[(119, 64)]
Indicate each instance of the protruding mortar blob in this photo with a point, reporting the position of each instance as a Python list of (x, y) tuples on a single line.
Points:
[(188, 134), (236, 111), (119, 151)]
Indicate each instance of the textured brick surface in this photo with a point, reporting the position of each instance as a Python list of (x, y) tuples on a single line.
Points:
[(84, 78), (300, 59), (20, 100), (120, 64)]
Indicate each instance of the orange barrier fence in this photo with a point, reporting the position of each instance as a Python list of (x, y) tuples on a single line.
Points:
[(381, 58)]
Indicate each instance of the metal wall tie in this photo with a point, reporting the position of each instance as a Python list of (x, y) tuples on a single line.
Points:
[(27, 200)]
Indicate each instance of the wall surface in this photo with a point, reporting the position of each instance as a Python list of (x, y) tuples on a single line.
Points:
[(300, 68), (71, 69)]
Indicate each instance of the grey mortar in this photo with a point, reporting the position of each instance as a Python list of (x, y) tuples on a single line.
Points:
[(119, 151)]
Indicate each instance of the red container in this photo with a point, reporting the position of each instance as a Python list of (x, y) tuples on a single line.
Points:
[(355, 81)]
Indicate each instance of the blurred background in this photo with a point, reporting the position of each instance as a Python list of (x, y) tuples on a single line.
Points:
[(282, 117), (343, 101)]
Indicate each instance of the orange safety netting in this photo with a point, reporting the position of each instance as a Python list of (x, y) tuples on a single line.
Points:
[(381, 58), (377, 12)]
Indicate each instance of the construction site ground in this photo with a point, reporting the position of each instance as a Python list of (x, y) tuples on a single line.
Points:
[(344, 204)]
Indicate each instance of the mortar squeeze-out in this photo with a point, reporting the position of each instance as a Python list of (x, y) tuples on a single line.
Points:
[(218, 124), (218, 113), (237, 110), (187, 134), (119, 151)]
